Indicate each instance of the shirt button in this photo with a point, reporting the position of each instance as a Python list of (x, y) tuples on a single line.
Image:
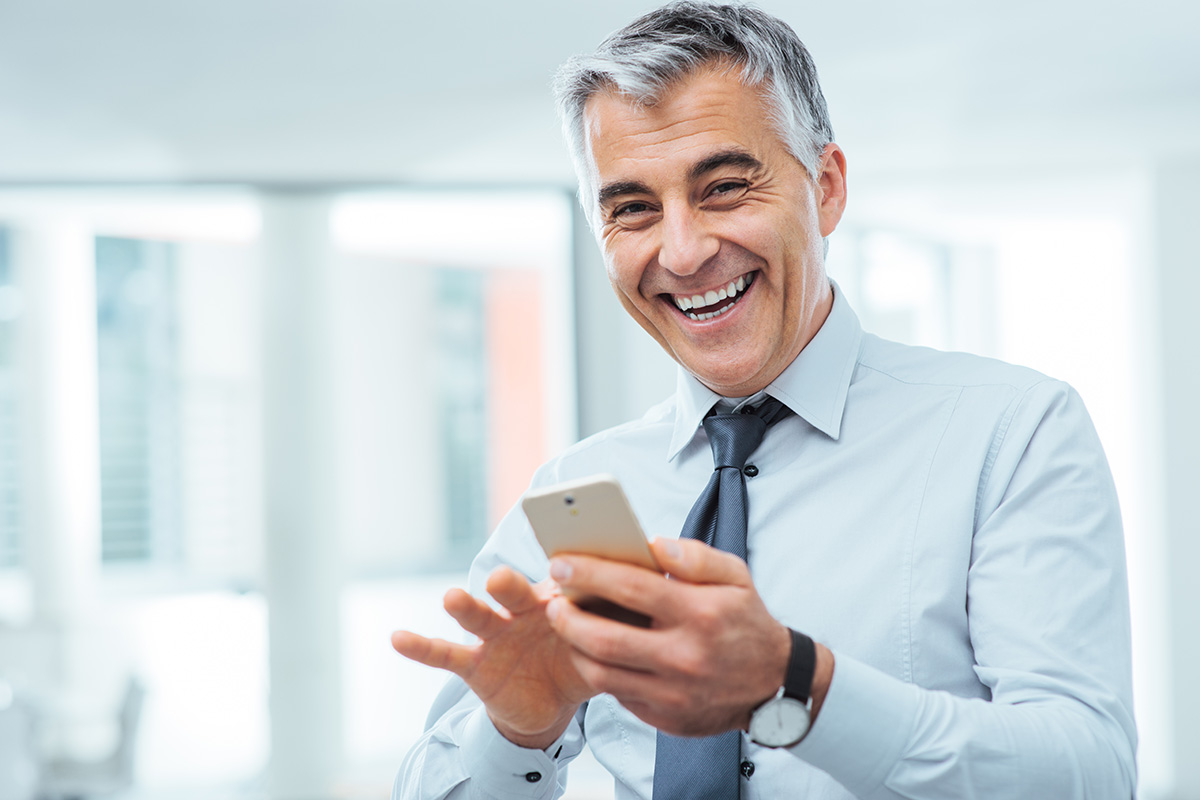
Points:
[(749, 471), (533, 777), (747, 768)]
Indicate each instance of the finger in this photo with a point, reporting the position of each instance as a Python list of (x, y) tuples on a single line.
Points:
[(438, 653), (644, 694), (695, 562), (474, 615), (636, 588), (604, 640), (659, 701), (512, 590)]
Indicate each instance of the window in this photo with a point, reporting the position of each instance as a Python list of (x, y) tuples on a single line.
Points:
[(460, 297), (160, 351), (137, 357), (448, 313)]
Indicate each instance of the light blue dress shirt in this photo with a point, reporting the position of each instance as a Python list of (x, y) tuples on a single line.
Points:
[(946, 524)]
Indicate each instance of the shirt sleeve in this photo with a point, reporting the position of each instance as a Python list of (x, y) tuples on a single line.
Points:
[(462, 755), (1048, 611)]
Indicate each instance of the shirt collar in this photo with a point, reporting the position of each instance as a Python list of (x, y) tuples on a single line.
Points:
[(814, 385)]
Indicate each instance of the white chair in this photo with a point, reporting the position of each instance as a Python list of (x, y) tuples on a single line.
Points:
[(69, 779)]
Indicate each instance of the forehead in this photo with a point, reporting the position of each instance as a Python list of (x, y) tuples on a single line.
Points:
[(696, 115)]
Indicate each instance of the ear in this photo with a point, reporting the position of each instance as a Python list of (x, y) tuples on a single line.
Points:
[(831, 184)]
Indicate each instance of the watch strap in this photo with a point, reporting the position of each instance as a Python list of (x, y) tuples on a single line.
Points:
[(802, 665)]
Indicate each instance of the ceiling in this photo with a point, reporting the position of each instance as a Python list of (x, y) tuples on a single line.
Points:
[(427, 92)]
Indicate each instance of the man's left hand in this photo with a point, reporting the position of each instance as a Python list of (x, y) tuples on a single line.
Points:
[(712, 654)]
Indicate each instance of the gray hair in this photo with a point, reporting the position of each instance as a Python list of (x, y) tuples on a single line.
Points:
[(642, 59)]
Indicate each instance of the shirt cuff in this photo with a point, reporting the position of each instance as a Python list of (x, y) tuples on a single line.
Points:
[(864, 723), (509, 771)]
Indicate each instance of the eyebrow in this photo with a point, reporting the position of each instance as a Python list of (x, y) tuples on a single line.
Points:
[(619, 188), (725, 158)]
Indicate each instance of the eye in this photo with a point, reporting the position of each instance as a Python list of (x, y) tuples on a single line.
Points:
[(726, 191), (630, 209), (633, 215)]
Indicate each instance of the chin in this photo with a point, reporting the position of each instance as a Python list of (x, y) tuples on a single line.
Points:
[(722, 381)]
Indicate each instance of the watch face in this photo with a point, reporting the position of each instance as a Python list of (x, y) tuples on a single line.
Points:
[(779, 722)]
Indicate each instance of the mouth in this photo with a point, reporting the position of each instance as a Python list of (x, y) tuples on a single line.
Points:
[(714, 302)]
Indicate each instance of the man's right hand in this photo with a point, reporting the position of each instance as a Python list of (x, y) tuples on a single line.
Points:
[(520, 669)]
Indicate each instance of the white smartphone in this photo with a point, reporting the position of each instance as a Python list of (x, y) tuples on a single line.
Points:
[(591, 516)]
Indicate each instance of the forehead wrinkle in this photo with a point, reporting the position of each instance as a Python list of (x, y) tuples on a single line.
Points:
[(703, 120), (655, 145), (710, 113), (636, 135)]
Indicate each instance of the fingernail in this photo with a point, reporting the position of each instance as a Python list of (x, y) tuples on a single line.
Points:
[(560, 570), (552, 609), (674, 550)]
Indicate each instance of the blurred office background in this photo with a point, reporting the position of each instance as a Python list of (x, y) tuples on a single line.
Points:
[(295, 296)]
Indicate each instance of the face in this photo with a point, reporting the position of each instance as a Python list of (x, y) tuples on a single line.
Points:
[(711, 229)]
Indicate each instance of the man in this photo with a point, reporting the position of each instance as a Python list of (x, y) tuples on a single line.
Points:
[(933, 601)]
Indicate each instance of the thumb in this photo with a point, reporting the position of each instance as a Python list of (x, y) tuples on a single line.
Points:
[(695, 562)]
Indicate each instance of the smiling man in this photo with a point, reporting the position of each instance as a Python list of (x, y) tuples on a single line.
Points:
[(711, 229), (893, 572)]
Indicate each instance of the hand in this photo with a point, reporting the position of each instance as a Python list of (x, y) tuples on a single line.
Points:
[(713, 652), (521, 670)]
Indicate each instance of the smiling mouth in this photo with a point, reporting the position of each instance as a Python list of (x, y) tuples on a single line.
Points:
[(714, 302)]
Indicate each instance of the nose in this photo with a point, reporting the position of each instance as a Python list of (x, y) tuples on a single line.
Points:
[(687, 243)]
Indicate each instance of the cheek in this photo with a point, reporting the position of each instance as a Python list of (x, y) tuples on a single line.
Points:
[(791, 253), (618, 276), (757, 231), (625, 270)]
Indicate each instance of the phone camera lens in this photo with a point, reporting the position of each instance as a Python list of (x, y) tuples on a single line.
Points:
[(569, 499)]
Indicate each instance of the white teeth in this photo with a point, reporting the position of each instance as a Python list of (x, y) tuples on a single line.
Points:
[(710, 314), (729, 292)]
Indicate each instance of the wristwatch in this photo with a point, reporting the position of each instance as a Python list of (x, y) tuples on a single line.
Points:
[(784, 719)]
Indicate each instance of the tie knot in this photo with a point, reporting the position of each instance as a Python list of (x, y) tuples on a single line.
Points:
[(734, 437)]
